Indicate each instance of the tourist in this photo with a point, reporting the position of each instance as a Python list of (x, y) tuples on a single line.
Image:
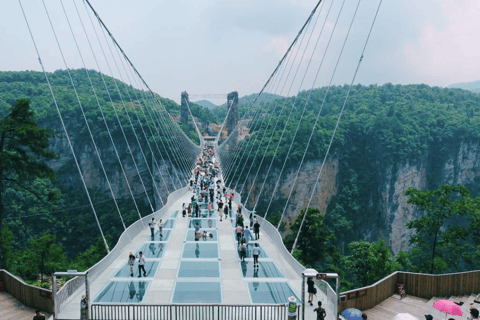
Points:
[(255, 254), (210, 207), (151, 224), (84, 308), (131, 261), (198, 235), (251, 220), (141, 265), (207, 234), (229, 203), (292, 308), (160, 228), (38, 315), (197, 208), (220, 205), (225, 211), (184, 210), (474, 313), (243, 251), (239, 233), (189, 209), (247, 233), (256, 230), (321, 313), (311, 290)]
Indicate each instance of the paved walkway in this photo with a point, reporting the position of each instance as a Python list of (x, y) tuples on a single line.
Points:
[(162, 280), (12, 309)]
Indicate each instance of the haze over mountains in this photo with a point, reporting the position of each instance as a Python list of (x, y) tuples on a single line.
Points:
[(473, 86)]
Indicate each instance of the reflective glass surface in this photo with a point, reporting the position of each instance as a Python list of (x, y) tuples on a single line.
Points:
[(152, 250), (199, 269), (265, 269), (123, 291), (262, 254), (175, 214), (211, 235), (200, 250), (197, 292), (150, 268), (156, 237), (204, 223), (168, 223), (270, 292)]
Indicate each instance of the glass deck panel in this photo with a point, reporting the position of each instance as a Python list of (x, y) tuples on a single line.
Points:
[(150, 267), (175, 214), (270, 292), (169, 223), (197, 292), (199, 269), (156, 237), (123, 292), (191, 235), (200, 250), (262, 254), (152, 250), (204, 223), (265, 269)]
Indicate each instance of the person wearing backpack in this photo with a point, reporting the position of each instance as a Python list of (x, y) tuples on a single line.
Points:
[(321, 313), (311, 290)]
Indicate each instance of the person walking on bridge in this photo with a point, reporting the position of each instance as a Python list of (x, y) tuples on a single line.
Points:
[(141, 265), (151, 224), (256, 229)]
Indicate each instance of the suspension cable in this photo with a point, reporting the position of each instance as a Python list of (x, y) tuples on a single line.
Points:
[(337, 124), (65, 129)]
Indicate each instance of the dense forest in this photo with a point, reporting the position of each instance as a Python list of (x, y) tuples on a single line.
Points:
[(383, 127), (60, 227)]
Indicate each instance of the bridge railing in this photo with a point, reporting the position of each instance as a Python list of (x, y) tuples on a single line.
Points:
[(131, 232), (419, 285), (31, 296), (188, 312)]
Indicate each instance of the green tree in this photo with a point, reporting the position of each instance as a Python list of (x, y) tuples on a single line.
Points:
[(369, 262), (23, 151), (6, 247), (315, 243), (441, 239)]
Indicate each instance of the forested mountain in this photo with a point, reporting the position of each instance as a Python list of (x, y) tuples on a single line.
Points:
[(391, 137), (206, 104), (245, 102), (473, 86), (70, 218)]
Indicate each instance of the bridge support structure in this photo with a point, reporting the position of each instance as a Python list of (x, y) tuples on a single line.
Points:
[(184, 108), (232, 103)]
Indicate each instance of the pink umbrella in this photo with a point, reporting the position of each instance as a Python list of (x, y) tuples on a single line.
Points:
[(229, 195), (448, 306)]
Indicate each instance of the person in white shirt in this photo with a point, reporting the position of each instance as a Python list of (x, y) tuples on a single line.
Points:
[(141, 265), (255, 254), (151, 224)]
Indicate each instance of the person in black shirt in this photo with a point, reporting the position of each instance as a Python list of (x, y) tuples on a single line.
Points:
[(310, 290)]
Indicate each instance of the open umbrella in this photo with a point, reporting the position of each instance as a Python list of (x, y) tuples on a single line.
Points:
[(449, 307), (352, 314), (404, 316)]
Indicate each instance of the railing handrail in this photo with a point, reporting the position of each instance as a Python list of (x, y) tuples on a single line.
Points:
[(48, 292), (406, 272), (118, 246)]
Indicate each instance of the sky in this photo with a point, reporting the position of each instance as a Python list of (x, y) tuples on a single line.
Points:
[(218, 46)]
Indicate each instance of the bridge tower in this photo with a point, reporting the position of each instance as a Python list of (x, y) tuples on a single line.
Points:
[(184, 108), (232, 120)]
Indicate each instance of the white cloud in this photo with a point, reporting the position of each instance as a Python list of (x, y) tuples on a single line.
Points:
[(447, 51)]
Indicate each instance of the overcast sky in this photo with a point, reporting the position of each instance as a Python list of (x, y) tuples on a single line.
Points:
[(218, 46)]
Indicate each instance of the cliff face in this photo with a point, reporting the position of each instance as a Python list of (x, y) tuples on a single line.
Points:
[(134, 167), (460, 166)]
